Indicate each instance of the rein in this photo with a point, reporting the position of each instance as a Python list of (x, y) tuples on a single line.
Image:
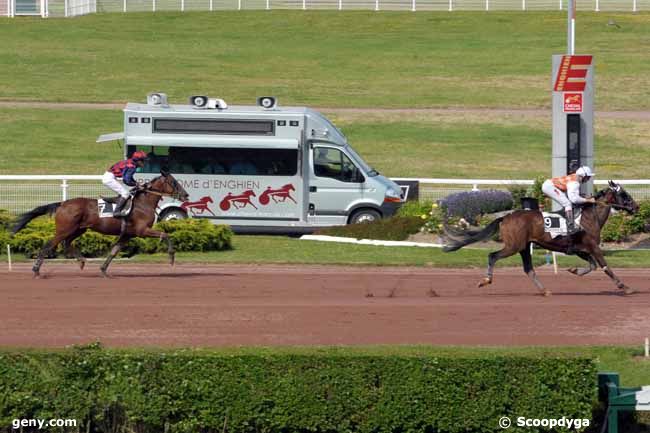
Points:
[(146, 190)]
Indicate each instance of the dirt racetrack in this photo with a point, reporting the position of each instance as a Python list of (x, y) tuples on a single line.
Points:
[(229, 305)]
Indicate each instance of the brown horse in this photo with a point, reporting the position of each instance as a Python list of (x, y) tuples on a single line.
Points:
[(73, 217), (521, 228)]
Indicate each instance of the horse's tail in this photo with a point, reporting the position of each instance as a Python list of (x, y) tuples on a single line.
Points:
[(461, 239), (25, 218)]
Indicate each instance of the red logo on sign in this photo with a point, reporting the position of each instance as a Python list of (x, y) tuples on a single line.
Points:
[(572, 74), (572, 102)]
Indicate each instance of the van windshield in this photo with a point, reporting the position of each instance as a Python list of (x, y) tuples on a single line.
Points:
[(360, 162)]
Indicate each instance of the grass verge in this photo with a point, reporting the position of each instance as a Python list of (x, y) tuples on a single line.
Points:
[(325, 58)]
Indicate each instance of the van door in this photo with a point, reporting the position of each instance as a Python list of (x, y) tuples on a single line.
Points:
[(335, 182)]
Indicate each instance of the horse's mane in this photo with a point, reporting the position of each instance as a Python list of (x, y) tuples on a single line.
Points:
[(601, 193)]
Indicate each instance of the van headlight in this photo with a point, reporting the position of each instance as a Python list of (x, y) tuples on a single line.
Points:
[(393, 196)]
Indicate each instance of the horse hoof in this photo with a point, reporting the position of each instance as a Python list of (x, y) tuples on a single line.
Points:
[(82, 264), (547, 293), (628, 291), (36, 275), (573, 270), (485, 282)]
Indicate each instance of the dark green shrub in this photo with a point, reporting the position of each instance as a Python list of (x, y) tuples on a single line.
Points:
[(324, 390), (415, 208), (393, 229), (518, 192), (187, 235), (6, 220), (93, 244), (616, 229), (5, 239), (640, 222)]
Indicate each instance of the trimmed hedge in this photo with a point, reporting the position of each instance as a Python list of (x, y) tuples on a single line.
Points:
[(323, 390), (472, 204), (187, 235), (396, 228)]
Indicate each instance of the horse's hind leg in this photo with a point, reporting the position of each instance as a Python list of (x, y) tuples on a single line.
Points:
[(492, 259), (71, 250), (584, 271), (46, 250), (527, 260)]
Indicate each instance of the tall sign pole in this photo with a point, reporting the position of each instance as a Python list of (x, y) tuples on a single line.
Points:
[(571, 30), (573, 108)]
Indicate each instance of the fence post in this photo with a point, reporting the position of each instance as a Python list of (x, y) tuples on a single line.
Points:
[(153, 5), (124, 6), (560, 4), (211, 6), (64, 189), (376, 5), (182, 5), (413, 6), (304, 5), (451, 5), (487, 5), (268, 4), (597, 5), (634, 6), (340, 4), (523, 5), (475, 187), (65, 8)]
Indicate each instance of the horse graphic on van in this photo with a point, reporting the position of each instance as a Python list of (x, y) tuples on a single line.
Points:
[(198, 207), (238, 201), (277, 195)]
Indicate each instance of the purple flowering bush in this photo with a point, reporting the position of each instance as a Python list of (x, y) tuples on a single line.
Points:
[(470, 205)]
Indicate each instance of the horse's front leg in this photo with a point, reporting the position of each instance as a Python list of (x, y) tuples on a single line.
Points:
[(600, 258), (584, 271), (150, 233), (121, 241)]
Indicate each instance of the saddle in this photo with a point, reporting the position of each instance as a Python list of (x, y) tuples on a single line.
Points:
[(106, 206)]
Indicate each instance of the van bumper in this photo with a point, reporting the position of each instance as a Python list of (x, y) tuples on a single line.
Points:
[(388, 209)]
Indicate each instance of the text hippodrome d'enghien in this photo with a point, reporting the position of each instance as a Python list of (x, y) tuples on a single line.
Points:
[(219, 184)]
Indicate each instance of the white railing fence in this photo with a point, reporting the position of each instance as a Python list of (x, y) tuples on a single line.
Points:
[(22, 193), (436, 189), (68, 8)]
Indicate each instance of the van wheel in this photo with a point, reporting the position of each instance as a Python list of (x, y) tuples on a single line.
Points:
[(365, 216), (172, 214)]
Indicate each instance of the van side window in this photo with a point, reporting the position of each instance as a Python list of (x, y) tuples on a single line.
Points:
[(329, 162), (222, 161)]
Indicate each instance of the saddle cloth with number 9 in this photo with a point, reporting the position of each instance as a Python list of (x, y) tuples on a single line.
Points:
[(555, 224)]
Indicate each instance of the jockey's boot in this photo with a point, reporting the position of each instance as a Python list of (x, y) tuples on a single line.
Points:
[(119, 205), (571, 230), (570, 223)]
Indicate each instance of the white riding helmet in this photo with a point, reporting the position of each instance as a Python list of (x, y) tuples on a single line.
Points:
[(585, 171)]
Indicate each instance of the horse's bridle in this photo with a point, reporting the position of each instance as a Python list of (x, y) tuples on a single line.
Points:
[(615, 205), (146, 189)]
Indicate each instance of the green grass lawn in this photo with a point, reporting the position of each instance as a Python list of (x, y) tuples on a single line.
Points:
[(44, 141), (322, 58)]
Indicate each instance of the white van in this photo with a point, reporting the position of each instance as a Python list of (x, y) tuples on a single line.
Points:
[(258, 168)]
